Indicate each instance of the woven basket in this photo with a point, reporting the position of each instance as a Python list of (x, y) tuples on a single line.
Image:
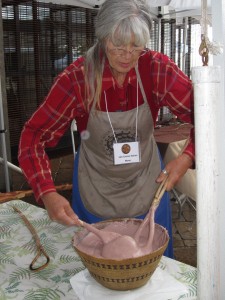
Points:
[(125, 274)]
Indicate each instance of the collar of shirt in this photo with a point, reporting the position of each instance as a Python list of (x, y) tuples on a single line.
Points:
[(108, 80)]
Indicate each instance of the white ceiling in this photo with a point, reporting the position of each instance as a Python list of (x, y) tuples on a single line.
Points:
[(181, 7)]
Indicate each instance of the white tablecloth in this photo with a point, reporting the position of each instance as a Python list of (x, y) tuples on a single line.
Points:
[(17, 250)]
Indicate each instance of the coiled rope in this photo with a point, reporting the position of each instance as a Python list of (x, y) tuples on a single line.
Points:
[(206, 46)]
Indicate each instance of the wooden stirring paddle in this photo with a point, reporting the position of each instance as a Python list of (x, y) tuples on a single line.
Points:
[(105, 236), (155, 203)]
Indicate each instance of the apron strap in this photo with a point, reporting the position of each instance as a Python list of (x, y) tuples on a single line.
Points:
[(140, 84)]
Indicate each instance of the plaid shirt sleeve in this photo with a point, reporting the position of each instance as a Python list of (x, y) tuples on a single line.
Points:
[(44, 129), (172, 88)]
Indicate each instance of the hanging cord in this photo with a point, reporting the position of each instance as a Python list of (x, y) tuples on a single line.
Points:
[(40, 248), (203, 49), (206, 46)]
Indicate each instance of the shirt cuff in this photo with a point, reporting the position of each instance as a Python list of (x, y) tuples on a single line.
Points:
[(190, 151), (41, 189)]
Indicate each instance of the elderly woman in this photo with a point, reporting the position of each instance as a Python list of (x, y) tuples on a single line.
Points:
[(114, 93)]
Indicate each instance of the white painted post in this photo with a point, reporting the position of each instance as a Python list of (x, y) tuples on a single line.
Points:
[(218, 29), (207, 86)]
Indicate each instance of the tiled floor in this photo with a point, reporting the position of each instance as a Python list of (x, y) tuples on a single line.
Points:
[(184, 227), (184, 234)]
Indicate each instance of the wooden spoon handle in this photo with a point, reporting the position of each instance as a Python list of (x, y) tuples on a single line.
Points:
[(159, 193), (92, 229)]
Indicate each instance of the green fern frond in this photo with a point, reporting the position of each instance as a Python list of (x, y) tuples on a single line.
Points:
[(6, 211), (189, 276), (55, 229), (76, 271), (41, 223), (70, 273), (18, 275), (22, 205), (13, 286), (6, 259), (43, 293), (21, 251), (56, 278), (65, 259), (192, 290), (29, 246), (46, 273), (162, 265), (4, 248), (5, 256), (5, 232), (12, 220), (49, 245)]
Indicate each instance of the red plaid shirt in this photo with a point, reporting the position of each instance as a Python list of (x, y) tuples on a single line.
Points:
[(164, 85)]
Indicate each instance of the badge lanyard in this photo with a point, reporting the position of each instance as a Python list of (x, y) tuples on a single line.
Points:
[(127, 152)]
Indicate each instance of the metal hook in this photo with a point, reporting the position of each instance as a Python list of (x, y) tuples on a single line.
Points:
[(204, 51)]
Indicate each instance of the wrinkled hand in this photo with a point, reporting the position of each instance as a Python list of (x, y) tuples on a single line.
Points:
[(175, 170), (59, 209)]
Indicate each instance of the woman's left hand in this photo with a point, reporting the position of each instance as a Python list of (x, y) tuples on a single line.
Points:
[(175, 170)]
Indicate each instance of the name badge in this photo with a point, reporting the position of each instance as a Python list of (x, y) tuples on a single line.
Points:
[(126, 153)]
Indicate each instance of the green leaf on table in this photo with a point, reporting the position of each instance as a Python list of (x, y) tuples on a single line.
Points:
[(43, 294)]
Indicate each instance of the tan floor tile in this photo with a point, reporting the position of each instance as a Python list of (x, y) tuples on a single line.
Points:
[(187, 230), (189, 215), (190, 243), (187, 255), (177, 241)]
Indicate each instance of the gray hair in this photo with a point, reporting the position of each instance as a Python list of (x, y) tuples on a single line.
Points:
[(118, 21)]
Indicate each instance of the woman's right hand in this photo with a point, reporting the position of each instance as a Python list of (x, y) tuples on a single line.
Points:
[(59, 209)]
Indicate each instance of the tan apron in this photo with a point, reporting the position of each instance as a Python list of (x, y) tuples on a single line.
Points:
[(112, 191)]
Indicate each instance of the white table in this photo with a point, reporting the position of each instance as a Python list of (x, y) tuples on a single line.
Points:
[(17, 250)]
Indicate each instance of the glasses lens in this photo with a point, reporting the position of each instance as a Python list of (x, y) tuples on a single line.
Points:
[(138, 52), (118, 52), (123, 52)]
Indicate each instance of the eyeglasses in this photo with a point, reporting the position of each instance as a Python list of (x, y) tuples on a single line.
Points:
[(123, 52)]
